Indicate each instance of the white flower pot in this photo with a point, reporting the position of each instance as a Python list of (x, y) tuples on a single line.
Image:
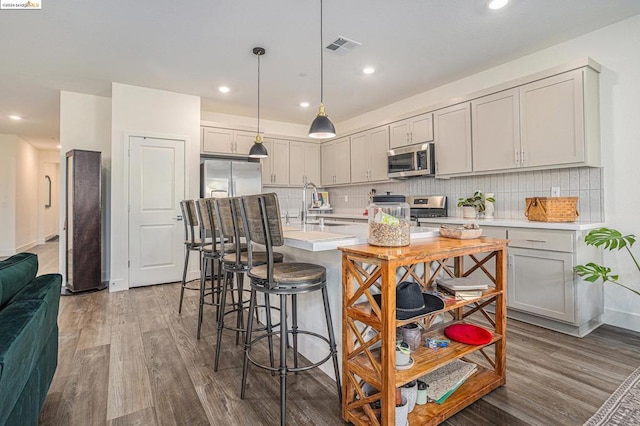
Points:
[(469, 212)]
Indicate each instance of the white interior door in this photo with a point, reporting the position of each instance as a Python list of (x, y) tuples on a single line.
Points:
[(156, 187)]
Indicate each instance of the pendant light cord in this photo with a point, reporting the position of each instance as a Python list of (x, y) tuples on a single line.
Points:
[(259, 93), (321, 60)]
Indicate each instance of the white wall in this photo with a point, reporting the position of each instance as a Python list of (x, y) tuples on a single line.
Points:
[(48, 165), (85, 123), (616, 48), (26, 195), (155, 113), (8, 146)]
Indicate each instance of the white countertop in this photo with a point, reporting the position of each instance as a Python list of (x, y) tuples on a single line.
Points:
[(355, 233), (514, 223)]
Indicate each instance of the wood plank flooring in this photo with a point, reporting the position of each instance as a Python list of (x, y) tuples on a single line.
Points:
[(128, 358)]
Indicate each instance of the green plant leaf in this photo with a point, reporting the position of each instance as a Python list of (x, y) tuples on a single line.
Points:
[(610, 239), (592, 272)]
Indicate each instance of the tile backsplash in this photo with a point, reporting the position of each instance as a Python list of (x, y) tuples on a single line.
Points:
[(509, 189)]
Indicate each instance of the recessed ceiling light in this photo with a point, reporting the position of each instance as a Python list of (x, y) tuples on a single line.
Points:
[(497, 4), (304, 104), (58, 146), (368, 70), (224, 89), (15, 117)]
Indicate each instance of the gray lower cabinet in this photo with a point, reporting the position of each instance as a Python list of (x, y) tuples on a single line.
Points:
[(542, 288), (541, 282)]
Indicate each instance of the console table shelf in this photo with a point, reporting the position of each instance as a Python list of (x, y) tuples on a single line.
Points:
[(371, 359)]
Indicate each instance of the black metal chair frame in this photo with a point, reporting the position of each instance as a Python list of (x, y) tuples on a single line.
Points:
[(269, 287), (190, 244), (236, 268), (210, 256)]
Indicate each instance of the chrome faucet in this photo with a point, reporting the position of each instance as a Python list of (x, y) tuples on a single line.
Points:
[(303, 211)]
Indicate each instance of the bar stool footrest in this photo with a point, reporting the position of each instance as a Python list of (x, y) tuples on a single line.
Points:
[(292, 369)]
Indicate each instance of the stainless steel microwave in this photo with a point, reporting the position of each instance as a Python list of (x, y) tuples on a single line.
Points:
[(408, 161)]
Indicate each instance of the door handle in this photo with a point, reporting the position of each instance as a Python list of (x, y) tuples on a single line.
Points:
[(517, 157), (179, 218)]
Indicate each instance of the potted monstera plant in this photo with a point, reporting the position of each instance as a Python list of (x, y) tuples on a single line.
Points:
[(473, 205), (609, 239)]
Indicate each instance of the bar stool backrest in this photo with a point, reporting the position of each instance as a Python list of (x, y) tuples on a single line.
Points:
[(262, 212), (261, 217), (208, 224), (228, 229), (190, 220)]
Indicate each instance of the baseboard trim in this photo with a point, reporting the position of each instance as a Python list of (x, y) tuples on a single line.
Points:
[(7, 253), (627, 320), (27, 246)]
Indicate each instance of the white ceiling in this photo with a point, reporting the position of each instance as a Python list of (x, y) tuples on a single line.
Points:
[(193, 47)]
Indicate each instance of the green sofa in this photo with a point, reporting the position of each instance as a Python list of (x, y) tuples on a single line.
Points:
[(28, 338)]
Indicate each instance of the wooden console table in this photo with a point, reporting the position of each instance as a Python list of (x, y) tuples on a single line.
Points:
[(366, 266)]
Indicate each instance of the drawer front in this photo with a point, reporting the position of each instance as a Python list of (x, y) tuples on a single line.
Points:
[(541, 239)]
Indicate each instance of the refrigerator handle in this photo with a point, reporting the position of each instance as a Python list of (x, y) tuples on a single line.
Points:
[(232, 187)]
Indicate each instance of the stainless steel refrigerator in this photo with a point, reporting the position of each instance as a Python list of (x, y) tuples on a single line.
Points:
[(228, 178)]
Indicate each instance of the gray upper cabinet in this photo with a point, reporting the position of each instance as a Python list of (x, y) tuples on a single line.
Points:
[(552, 126), (369, 155), (275, 168), (304, 163), (452, 137), (226, 141), (336, 162), (418, 129), (495, 131)]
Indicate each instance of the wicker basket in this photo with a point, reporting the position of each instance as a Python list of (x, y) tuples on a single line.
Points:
[(552, 209)]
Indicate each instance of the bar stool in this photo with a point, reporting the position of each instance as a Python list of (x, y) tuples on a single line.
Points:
[(191, 243), (211, 257), (262, 221), (235, 264)]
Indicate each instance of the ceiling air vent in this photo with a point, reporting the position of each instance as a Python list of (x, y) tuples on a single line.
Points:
[(342, 45)]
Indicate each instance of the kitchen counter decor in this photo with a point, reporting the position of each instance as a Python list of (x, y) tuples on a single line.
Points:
[(389, 222), (463, 232), (552, 209)]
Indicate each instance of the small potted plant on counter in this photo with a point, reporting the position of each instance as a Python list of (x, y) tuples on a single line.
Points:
[(473, 205)]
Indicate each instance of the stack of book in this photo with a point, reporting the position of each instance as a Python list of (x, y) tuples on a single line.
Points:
[(445, 380), (462, 288)]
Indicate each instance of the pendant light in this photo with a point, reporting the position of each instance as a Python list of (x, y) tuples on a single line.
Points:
[(322, 127), (258, 150)]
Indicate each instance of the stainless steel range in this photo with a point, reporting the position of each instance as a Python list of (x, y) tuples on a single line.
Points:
[(427, 206)]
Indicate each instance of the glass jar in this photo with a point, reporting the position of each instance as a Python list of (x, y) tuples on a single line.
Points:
[(389, 221)]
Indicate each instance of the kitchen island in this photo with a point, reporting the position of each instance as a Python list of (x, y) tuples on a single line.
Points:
[(320, 245)]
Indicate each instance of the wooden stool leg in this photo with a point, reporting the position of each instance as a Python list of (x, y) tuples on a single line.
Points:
[(332, 341), (247, 345), (283, 359)]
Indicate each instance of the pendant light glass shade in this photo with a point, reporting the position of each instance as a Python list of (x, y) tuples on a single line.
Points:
[(258, 150), (321, 127)]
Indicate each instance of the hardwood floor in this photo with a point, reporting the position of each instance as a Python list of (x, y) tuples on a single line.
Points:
[(128, 358)]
